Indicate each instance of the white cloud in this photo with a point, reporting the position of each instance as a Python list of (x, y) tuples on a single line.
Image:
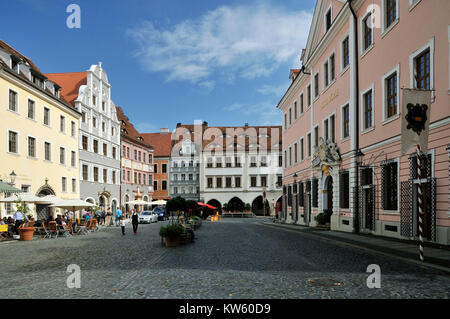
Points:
[(262, 113), (247, 41), (277, 90)]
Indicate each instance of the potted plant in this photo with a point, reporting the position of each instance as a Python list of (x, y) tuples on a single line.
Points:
[(321, 219), (171, 234), (26, 233)]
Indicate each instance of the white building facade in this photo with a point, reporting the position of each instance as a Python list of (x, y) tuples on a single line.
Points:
[(99, 135)]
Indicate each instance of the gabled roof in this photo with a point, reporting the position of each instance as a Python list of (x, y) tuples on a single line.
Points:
[(70, 84), (11, 50), (128, 131), (34, 70), (161, 142)]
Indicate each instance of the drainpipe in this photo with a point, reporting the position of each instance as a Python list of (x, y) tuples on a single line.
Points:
[(356, 132)]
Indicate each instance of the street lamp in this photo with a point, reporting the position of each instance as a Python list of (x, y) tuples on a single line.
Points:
[(359, 157), (13, 178)]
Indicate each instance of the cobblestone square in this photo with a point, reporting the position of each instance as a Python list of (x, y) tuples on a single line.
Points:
[(233, 258)]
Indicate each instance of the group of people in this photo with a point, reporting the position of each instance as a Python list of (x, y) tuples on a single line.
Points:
[(107, 218), (104, 218)]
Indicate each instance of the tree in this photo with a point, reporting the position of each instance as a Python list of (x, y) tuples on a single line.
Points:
[(176, 204)]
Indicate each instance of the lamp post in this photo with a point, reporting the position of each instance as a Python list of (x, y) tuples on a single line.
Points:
[(359, 156), (12, 178)]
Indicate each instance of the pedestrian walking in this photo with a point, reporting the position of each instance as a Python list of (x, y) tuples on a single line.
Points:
[(102, 218), (135, 221), (118, 216), (122, 225), (19, 218)]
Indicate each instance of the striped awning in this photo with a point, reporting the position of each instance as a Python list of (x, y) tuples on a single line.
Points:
[(6, 188)]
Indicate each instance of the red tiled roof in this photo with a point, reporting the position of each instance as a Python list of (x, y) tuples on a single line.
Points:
[(10, 49), (21, 75), (161, 142), (128, 131), (70, 84)]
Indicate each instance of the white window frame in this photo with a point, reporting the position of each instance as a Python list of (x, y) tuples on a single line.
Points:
[(50, 152), (342, 68), (364, 51), (62, 147), (35, 147), (314, 135), (341, 137), (311, 96), (330, 81), (17, 101), (17, 142), (394, 160), (396, 69), (412, 69), (301, 98), (34, 109), (372, 127), (49, 117), (309, 147), (328, 118), (295, 146), (317, 92), (385, 30), (62, 120), (302, 143)]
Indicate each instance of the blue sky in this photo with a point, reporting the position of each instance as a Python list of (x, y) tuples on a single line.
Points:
[(225, 62)]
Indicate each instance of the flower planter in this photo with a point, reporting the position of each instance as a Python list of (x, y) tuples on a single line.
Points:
[(26, 233), (172, 242)]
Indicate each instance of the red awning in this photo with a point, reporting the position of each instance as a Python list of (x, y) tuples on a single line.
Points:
[(206, 205)]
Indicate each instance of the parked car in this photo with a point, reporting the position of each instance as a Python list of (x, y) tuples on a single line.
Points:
[(148, 217), (161, 212)]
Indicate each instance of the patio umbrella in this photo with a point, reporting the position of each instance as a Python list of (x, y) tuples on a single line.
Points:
[(6, 188), (73, 204), (138, 202), (159, 202), (26, 198)]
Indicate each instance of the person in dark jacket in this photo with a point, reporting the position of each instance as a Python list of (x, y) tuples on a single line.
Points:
[(135, 221)]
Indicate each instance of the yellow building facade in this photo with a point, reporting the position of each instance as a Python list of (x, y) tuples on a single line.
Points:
[(38, 134)]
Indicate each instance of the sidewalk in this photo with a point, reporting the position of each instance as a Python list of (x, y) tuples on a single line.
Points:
[(434, 254)]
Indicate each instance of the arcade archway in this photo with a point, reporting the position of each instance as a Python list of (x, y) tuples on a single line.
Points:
[(258, 207)]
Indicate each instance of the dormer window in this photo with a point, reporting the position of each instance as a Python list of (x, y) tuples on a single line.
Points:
[(15, 64), (37, 80), (124, 131), (140, 138)]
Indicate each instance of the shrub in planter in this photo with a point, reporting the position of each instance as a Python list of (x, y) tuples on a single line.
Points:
[(321, 219), (171, 231), (171, 234)]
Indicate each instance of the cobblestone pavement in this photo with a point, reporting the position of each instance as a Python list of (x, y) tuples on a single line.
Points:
[(237, 258)]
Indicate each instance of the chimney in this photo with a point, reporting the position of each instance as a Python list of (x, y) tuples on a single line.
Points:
[(164, 130), (246, 124)]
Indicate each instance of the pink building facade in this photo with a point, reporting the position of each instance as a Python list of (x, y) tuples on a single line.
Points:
[(137, 165), (346, 101)]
